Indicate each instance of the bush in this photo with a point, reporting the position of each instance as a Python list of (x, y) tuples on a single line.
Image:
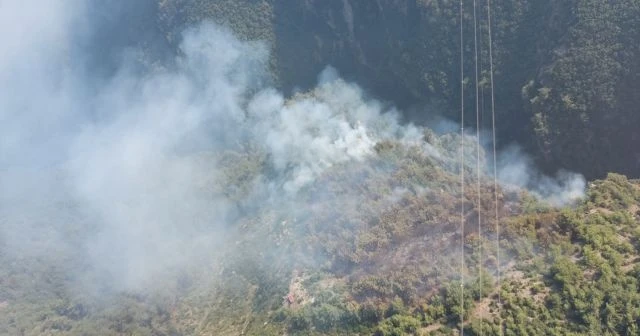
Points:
[(398, 325)]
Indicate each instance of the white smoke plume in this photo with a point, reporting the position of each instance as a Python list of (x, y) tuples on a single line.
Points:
[(333, 125), (113, 172), (517, 169), (114, 162)]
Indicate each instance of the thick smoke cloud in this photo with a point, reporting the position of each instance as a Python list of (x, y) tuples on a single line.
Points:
[(109, 169), (102, 168), (334, 125), (113, 173), (516, 169)]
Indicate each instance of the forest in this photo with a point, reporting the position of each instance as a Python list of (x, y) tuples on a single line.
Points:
[(269, 167), (565, 70)]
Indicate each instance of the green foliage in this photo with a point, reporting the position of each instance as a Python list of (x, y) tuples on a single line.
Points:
[(580, 96), (453, 297), (575, 271), (398, 325), (615, 192)]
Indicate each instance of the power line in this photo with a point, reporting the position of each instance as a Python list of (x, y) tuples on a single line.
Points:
[(479, 205), (462, 265), (495, 167)]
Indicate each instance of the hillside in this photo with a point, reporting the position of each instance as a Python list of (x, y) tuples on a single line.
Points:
[(369, 246), (268, 167), (564, 70), (373, 248)]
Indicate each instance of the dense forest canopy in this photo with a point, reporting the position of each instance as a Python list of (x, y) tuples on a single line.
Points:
[(565, 70), (272, 167)]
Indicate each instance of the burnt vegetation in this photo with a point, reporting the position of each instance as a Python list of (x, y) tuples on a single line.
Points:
[(374, 247), (376, 250)]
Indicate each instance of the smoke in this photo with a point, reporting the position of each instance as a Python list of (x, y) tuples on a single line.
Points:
[(332, 125), (121, 175), (121, 180), (517, 169)]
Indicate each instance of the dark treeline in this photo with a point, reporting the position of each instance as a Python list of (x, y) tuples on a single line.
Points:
[(566, 71)]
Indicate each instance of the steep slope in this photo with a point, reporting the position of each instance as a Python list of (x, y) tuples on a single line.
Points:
[(371, 246), (188, 196), (565, 71)]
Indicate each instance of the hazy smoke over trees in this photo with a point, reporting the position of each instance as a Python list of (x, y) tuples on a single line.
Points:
[(120, 178)]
